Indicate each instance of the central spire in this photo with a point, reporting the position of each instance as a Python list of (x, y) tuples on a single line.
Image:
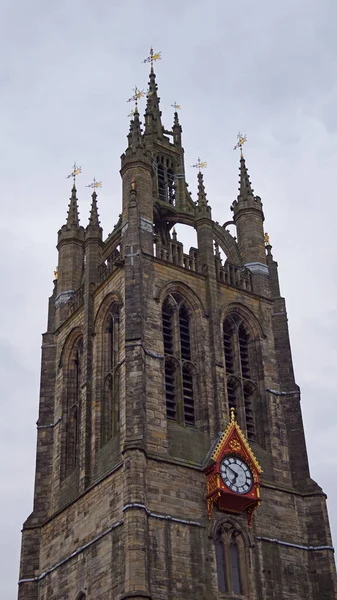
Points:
[(153, 124)]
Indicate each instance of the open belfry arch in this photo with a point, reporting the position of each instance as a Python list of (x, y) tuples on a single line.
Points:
[(171, 459)]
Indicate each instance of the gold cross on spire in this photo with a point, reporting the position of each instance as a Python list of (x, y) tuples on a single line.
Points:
[(76, 171), (152, 57), (176, 106), (95, 184), (241, 140), (200, 165), (136, 95)]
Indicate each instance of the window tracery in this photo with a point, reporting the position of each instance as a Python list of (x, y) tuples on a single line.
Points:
[(231, 563)]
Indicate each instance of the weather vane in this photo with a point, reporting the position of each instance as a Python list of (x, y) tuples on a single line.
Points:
[(241, 140), (176, 106), (200, 165), (95, 184), (136, 95), (152, 57), (76, 171)]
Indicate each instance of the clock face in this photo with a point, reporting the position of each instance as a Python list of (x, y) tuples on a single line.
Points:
[(236, 475)]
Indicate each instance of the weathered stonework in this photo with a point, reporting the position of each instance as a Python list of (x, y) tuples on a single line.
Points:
[(129, 519)]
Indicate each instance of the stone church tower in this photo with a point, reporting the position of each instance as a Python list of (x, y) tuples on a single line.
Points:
[(148, 348)]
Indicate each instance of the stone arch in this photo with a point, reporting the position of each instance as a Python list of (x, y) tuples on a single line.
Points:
[(108, 300), (231, 547), (73, 336), (185, 291), (227, 243), (247, 315), (223, 520)]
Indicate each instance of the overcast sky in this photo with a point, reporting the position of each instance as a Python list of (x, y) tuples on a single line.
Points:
[(266, 69)]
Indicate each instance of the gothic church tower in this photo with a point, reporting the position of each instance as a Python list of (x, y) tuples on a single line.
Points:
[(148, 348)]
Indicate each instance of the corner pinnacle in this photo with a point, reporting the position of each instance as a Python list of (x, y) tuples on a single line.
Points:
[(73, 217), (245, 189), (94, 217)]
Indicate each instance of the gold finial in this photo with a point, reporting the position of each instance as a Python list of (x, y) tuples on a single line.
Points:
[(176, 106), (241, 140), (76, 171), (133, 183), (232, 412), (137, 94), (200, 165), (266, 239), (56, 274), (94, 184), (152, 57)]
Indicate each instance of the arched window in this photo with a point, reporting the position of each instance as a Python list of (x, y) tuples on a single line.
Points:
[(180, 372), (74, 381), (231, 561), (241, 371), (165, 179), (110, 376)]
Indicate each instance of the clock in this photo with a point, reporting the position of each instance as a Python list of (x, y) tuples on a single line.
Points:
[(236, 474)]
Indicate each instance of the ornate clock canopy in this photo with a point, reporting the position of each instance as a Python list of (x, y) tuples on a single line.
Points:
[(233, 473)]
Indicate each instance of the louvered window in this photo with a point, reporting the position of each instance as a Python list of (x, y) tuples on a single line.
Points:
[(241, 371), (74, 380), (180, 374), (165, 179)]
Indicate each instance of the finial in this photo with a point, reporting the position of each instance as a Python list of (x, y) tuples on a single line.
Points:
[(56, 274), (76, 171), (176, 106), (200, 165), (95, 184), (152, 57), (266, 239), (137, 94), (232, 413), (241, 140), (174, 234)]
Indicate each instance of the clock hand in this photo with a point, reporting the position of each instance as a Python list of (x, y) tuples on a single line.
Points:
[(236, 475)]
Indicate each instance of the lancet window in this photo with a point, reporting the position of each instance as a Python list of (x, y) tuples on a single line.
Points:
[(73, 406), (165, 179), (241, 371), (110, 376), (230, 554), (180, 372)]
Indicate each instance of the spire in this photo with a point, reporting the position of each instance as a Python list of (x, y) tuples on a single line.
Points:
[(202, 203), (202, 199), (176, 129), (94, 217), (245, 189), (153, 124), (135, 134), (73, 218)]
